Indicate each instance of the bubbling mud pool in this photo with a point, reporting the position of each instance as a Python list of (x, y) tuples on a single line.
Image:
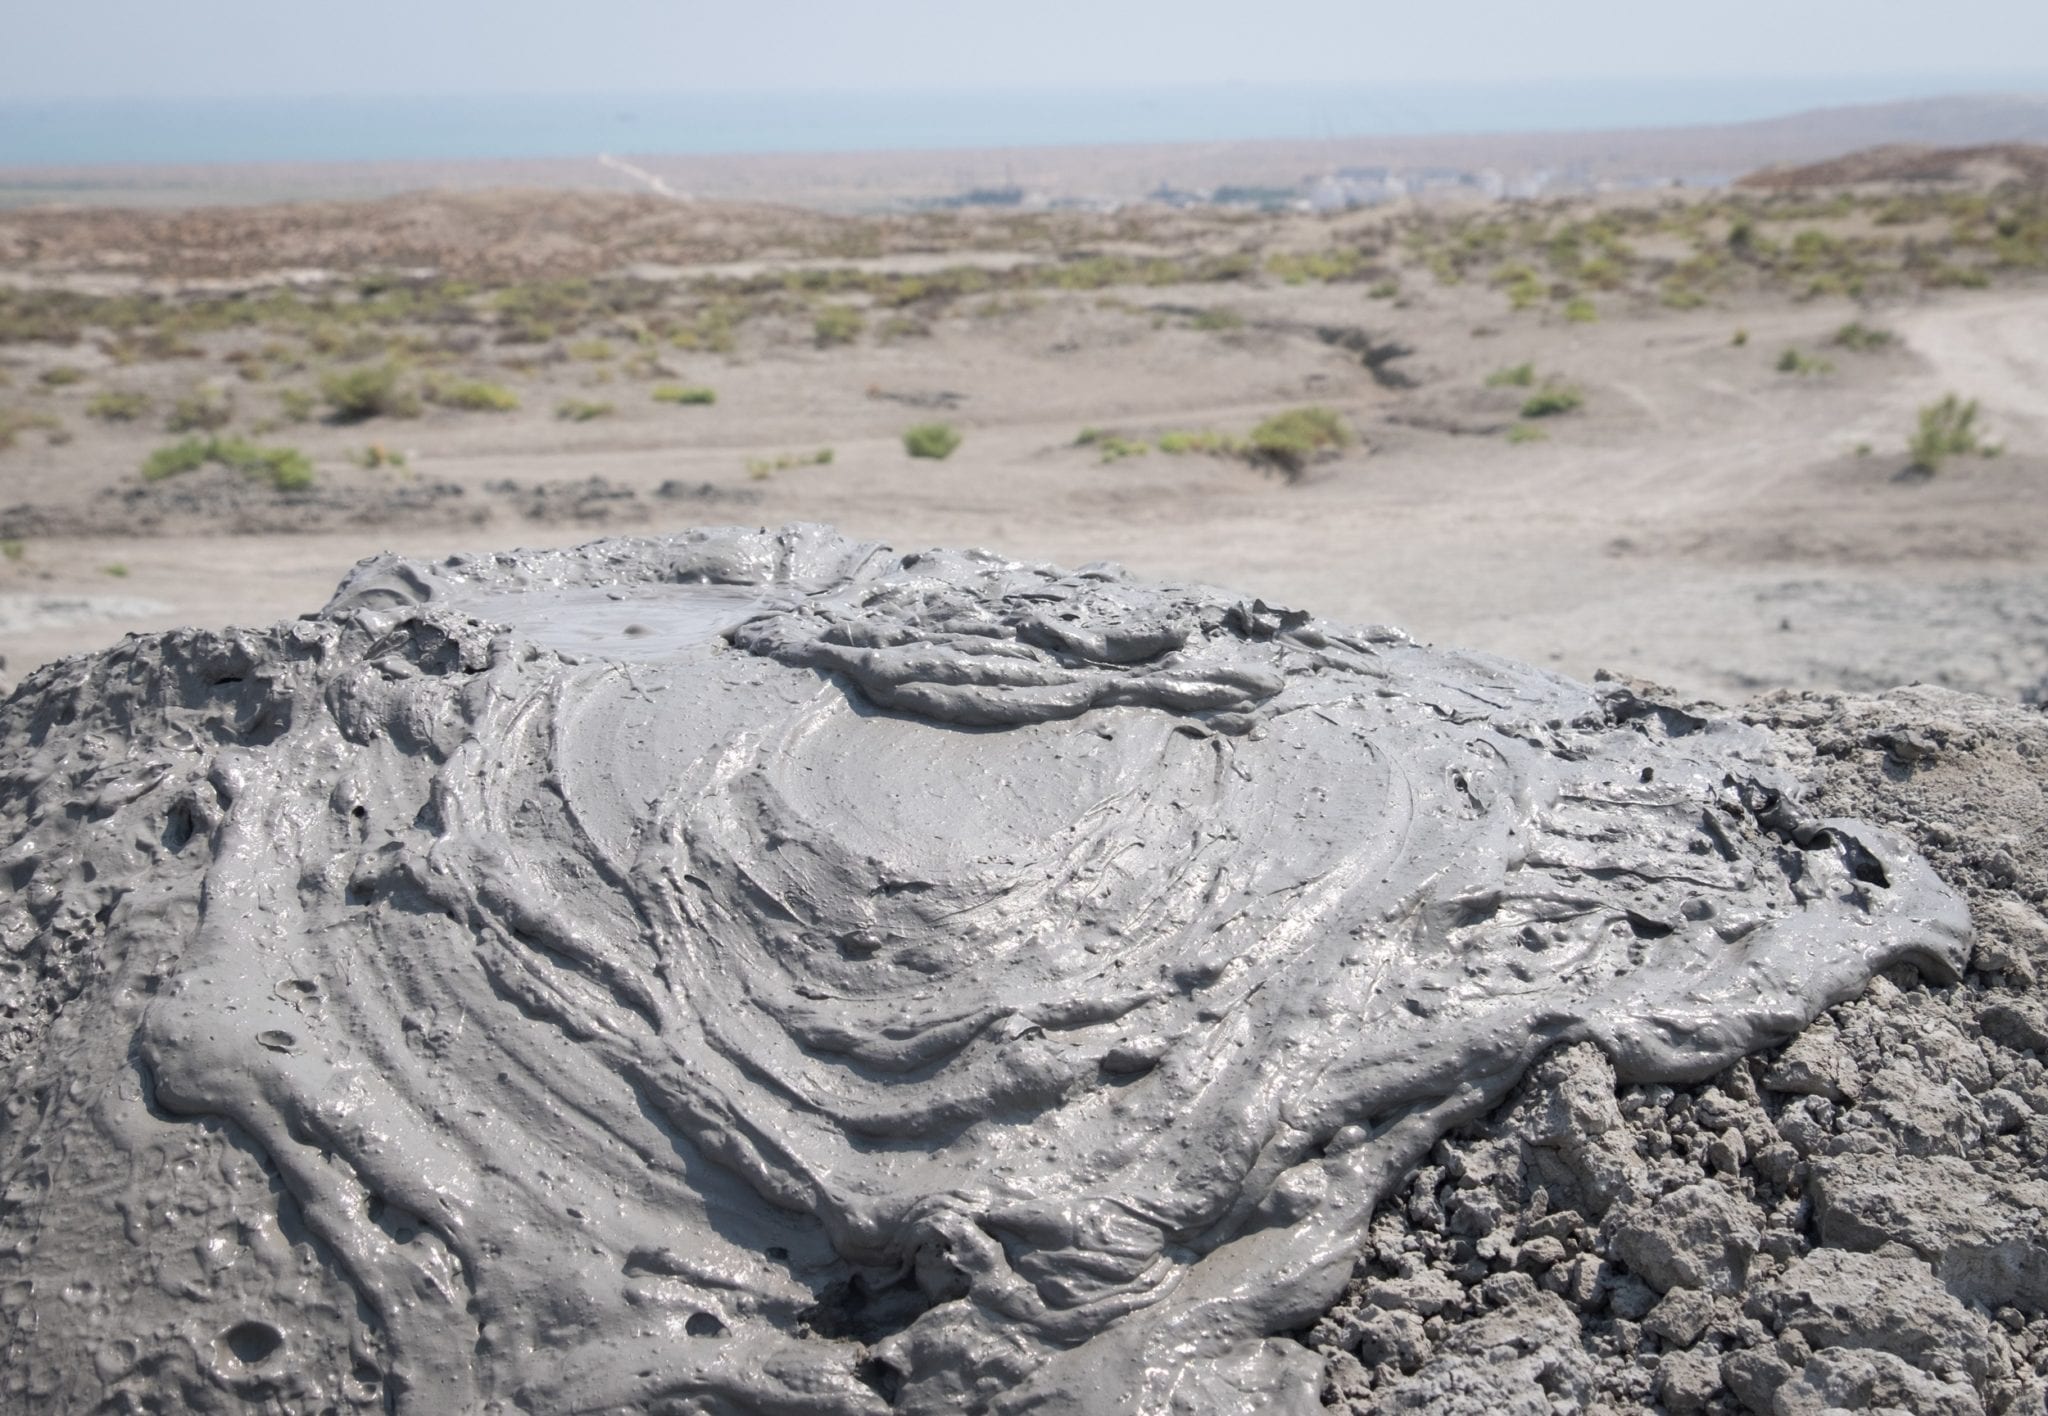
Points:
[(759, 971)]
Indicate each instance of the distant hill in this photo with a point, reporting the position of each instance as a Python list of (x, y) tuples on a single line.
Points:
[(1982, 167)]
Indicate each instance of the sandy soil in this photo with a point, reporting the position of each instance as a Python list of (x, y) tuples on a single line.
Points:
[(1704, 520)]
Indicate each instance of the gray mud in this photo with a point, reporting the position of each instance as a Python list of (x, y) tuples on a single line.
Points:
[(757, 971)]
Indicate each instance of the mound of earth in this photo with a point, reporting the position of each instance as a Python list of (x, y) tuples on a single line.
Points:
[(1984, 166), (763, 971)]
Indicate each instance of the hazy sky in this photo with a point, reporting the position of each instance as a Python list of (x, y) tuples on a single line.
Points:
[(150, 48)]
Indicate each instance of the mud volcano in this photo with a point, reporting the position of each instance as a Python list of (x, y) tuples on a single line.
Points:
[(756, 971)]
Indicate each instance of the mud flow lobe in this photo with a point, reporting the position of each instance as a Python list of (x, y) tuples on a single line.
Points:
[(764, 967)]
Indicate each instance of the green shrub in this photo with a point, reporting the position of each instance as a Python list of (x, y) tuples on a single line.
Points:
[(296, 404), (1179, 443), (1519, 433), (1114, 448), (934, 440), (759, 468), (173, 459), (1551, 402), (285, 468), (61, 376), (575, 410), (1514, 376), (1292, 439), (202, 411), (13, 549), (1739, 338), (594, 351), (837, 324), (1804, 365), (1861, 338), (1218, 321), (369, 391), (682, 394), (472, 395), (1384, 290), (1946, 429), (1580, 310), (118, 406)]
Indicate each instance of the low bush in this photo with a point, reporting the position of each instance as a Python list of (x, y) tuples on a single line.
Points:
[(1580, 310), (1803, 365), (759, 468), (837, 324), (1552, 402), (1519, 433), (1182, 442), (1115, 448), (1860, 338), (472, 396), (934, 440), (285, 468), (201, 411), (369, 391), (576, 410), (1291, 440), (61, 376), (1514, 376), (118, 405), (1946, 429), (682, 394), (173, 459)]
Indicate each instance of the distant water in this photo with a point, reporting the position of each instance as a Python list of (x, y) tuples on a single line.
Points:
[(86, 131)]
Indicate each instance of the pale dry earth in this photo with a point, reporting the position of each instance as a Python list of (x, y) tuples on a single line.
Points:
[(1705, 520)]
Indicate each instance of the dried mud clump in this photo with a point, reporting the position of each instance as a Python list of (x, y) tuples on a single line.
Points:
[(761, 971), (1852, 1221)]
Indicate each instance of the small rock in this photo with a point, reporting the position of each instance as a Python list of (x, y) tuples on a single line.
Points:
[(1839, 1380), (1688, 1381), (1986, 1236), (1506, 1289), (1726, 1152), (1698, 1236), (1629, 1298), (1889, 1302), (1523, 1358), (1681, 1316), (1425, 1293), (2020, 1023), (1391, 1337), (1754, 1376), (1816, 1064), (1540, 1254)]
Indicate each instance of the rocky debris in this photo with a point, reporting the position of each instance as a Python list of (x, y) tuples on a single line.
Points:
[(1523, 1359), (1698, 1236), (1856, 1221), (219, 501)]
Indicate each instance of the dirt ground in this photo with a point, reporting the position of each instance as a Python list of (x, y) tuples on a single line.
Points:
[(1704, 519)]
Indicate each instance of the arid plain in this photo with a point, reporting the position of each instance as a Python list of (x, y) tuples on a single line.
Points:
[(1664, 434)]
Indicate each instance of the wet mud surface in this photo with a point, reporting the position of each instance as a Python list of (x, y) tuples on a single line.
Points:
[(755, 971)]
